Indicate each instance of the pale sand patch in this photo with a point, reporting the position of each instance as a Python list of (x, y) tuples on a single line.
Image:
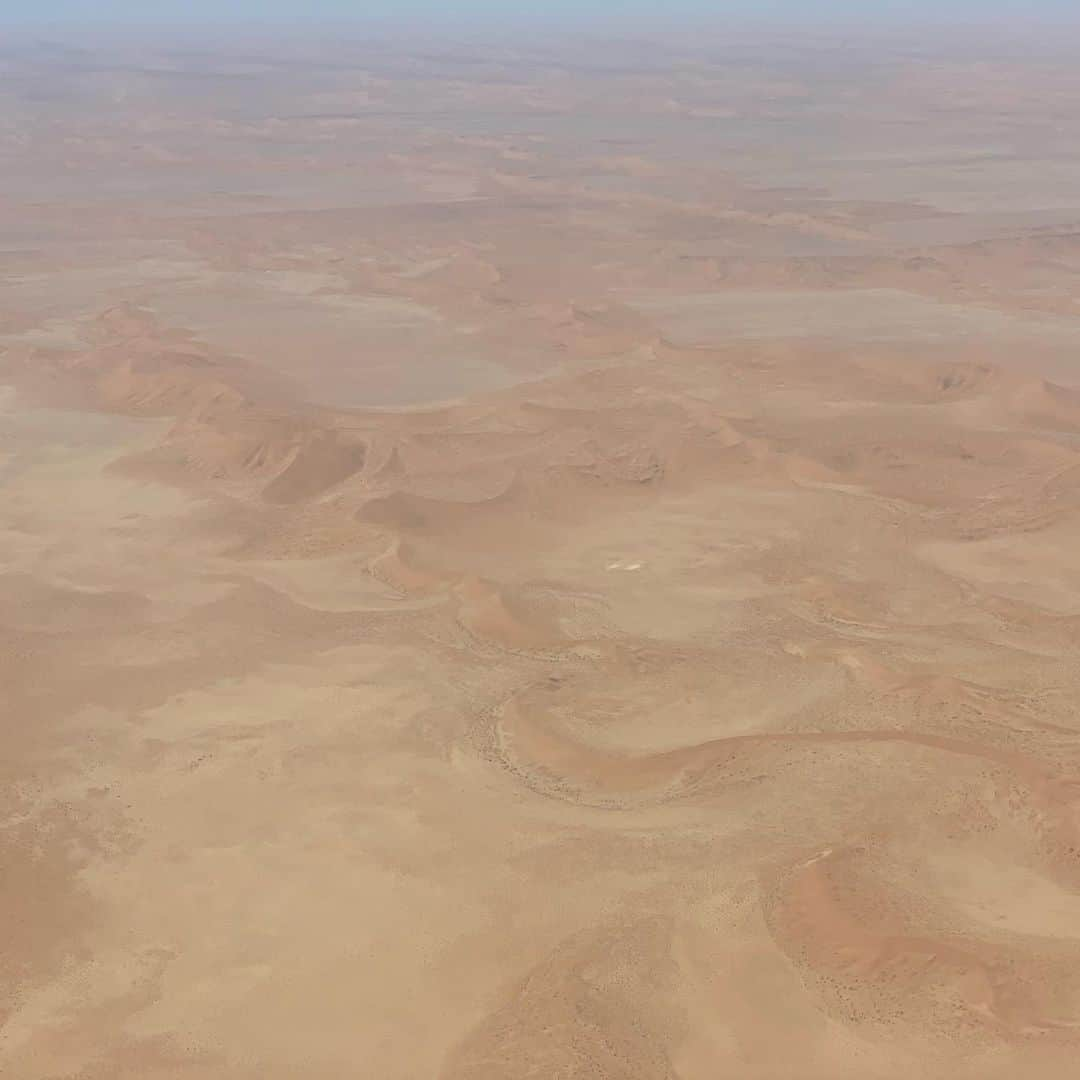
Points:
[(849, 316), (1039, 568), (1005, 896)]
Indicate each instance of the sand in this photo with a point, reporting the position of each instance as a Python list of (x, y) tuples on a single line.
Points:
[(539, 558)]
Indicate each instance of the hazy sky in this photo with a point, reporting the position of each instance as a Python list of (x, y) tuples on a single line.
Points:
[(444, 11)]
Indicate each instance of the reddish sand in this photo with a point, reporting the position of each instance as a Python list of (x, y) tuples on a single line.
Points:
[(549, 559)]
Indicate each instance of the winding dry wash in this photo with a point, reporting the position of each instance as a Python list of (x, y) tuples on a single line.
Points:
[(540, 557)]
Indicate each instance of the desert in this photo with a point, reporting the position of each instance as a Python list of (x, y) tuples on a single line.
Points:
[(540, 556)]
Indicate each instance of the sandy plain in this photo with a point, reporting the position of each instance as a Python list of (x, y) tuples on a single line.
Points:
[(540, 557)]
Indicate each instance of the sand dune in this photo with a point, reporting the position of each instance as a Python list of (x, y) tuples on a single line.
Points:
[(532, 559)]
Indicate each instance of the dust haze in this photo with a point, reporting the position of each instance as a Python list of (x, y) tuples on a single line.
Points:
[(540, 557)]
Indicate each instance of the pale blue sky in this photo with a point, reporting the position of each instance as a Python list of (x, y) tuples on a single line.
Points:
[(499, 10)]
